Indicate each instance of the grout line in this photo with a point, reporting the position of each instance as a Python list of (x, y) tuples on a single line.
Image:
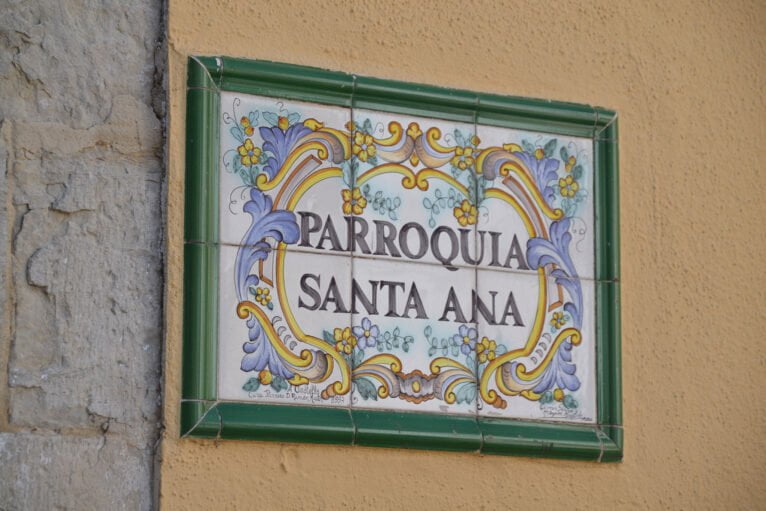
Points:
[(595, 123), (220, 425), (353, 169), (402, 260), (599, 434), (219, 61), (476, 276), (204, 416), (611, 121)]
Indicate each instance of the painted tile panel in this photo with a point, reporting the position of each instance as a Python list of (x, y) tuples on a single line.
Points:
[(279, 339), (392, 262), (534, 184), (537, 357), (417, 178), (415, 337), (293, 152)]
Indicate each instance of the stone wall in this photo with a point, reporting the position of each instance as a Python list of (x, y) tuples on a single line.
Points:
[(81, 253)]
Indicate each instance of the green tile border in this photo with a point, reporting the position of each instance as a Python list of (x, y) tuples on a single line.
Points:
[(286, 81), (416, 430), (200, 296), (540, 440), (414, 99), (202, 416), (286, 423), (201, 183), (200, 322)]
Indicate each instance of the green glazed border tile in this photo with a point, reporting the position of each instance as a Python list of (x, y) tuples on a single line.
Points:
[(277, 79), (200, 419), (612, 449), (607, 206), (608, 354), (414, 99), (416, 430), (537, 115), (286, 423), (203, 72), (200, 325), (540, 440), (201, 183)]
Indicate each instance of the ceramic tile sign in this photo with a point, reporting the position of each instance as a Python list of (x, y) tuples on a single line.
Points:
[(372, 260)]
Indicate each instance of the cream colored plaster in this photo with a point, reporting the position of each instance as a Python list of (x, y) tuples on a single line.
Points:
[(688, 81)]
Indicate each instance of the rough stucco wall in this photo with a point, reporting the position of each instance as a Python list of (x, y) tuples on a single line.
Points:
[(687, 79), (80, 253)]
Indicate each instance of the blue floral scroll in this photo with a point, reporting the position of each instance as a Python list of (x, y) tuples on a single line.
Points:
[(282, 227), (544, 171), (279, 143), (541, 252)]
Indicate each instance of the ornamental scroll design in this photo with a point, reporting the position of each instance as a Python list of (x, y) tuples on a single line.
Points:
[(540, 180)]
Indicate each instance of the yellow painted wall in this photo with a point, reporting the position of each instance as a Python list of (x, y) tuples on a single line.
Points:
[(688, 80)]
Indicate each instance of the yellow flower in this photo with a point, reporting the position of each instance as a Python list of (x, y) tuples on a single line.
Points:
[(363, 146), (539, 153), (466, 214), (265, 377), (249, 130), (249, 153), (558, 320), (571, 162), (558, 395), (353, 201), (463, 157), (568, 186), (344, 340), (486, 350), (262, 296)]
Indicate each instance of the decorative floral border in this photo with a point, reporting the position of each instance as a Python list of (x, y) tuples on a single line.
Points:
[(541, 371)]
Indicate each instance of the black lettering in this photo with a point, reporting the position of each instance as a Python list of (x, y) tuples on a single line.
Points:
[(495, 244), (453, 305), (356, 239), (329, 233), (480, 242), (414, 302), (385, 234), (371, 306), (480, 307), (465, 246), (313, 293), (446, 261), (512, 310), (310, 222), (422, 239), (391, 296), (333, 296), (515, 253)]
